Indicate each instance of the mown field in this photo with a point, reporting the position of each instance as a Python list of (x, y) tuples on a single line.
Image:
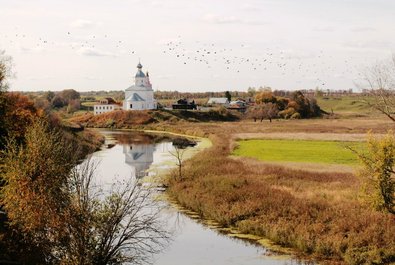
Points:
[(310, 151)]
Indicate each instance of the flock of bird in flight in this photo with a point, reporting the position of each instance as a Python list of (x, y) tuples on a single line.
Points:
[(237, 59)]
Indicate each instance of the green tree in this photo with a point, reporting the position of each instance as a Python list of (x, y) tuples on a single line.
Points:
[(228, 96), (378, 172)]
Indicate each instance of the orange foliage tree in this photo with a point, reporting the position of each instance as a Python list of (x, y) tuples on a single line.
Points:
[(20, 113)]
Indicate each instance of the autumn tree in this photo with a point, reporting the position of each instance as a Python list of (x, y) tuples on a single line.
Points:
[(56, 214), (263, 111), (64, 98), (116, 226), (35, 192), (69, 94), (378, 172), (301, 104), (4, 75), (265, 96), (379, 81), (20, 114), (73, 105), (57, 102)]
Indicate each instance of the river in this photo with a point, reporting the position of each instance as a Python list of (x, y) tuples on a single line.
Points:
[(131, 155)]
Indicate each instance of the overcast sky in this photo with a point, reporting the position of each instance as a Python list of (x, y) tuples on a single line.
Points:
[(205, 45)]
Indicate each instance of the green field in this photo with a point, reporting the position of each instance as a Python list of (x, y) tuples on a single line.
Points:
[(328, 152), (345, 104)]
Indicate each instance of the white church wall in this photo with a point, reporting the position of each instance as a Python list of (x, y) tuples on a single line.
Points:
[(143, 89)]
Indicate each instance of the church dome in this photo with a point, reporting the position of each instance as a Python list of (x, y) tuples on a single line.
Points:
[(140, 73)]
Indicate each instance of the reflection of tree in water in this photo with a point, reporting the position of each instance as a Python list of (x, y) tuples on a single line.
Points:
[(152, 138), (182, 143), (118, 226), (140, 138)]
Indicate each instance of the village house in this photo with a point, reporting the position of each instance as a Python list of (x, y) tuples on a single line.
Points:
[(106, 105), (184, 104), (218, 102), (239, 105)]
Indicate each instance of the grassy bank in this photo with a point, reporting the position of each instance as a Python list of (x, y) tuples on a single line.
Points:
[(121, 119), (318, 213), (311, 151)]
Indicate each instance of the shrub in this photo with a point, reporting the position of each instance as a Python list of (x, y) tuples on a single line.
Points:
[(287, 113), (296, 115)]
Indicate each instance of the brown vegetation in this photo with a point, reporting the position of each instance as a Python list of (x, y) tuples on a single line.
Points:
[(131, 119), (317, 213)]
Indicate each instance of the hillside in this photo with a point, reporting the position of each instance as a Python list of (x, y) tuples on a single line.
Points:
[(128, 119)]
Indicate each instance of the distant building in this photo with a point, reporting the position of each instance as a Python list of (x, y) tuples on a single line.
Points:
[(140, 96), (239, 105), (218, 101), (106, 105), (184, 104)]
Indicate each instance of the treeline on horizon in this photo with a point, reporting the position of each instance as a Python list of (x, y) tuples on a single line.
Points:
[(118, 95)]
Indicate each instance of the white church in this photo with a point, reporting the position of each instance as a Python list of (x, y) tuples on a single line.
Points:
[(139, 96)]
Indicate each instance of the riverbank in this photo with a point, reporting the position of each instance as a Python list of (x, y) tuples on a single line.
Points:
[(319, 214)]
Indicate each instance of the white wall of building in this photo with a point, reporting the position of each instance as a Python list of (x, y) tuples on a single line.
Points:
[(104, 108), (142, 88)]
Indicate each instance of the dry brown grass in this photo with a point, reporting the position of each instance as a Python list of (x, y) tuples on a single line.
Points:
[(318, 213)]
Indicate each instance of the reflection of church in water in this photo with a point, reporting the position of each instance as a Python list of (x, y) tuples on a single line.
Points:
[(140, 157)]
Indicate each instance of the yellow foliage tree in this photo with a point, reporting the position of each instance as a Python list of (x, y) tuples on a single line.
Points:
[(35, 193), (378, 172)]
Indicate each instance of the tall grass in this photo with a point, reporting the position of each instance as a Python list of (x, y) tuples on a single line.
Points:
[(317, 213)]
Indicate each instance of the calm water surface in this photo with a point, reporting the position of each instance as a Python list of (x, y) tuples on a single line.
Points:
[(137, 155)]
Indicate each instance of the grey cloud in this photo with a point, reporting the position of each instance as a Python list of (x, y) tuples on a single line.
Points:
[(82, 24), (217, 19), (373, 44), (94, 52), (324, 29), (250, 7), (363, 29)]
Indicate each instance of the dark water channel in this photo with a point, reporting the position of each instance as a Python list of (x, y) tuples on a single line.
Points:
[(137, 155)]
